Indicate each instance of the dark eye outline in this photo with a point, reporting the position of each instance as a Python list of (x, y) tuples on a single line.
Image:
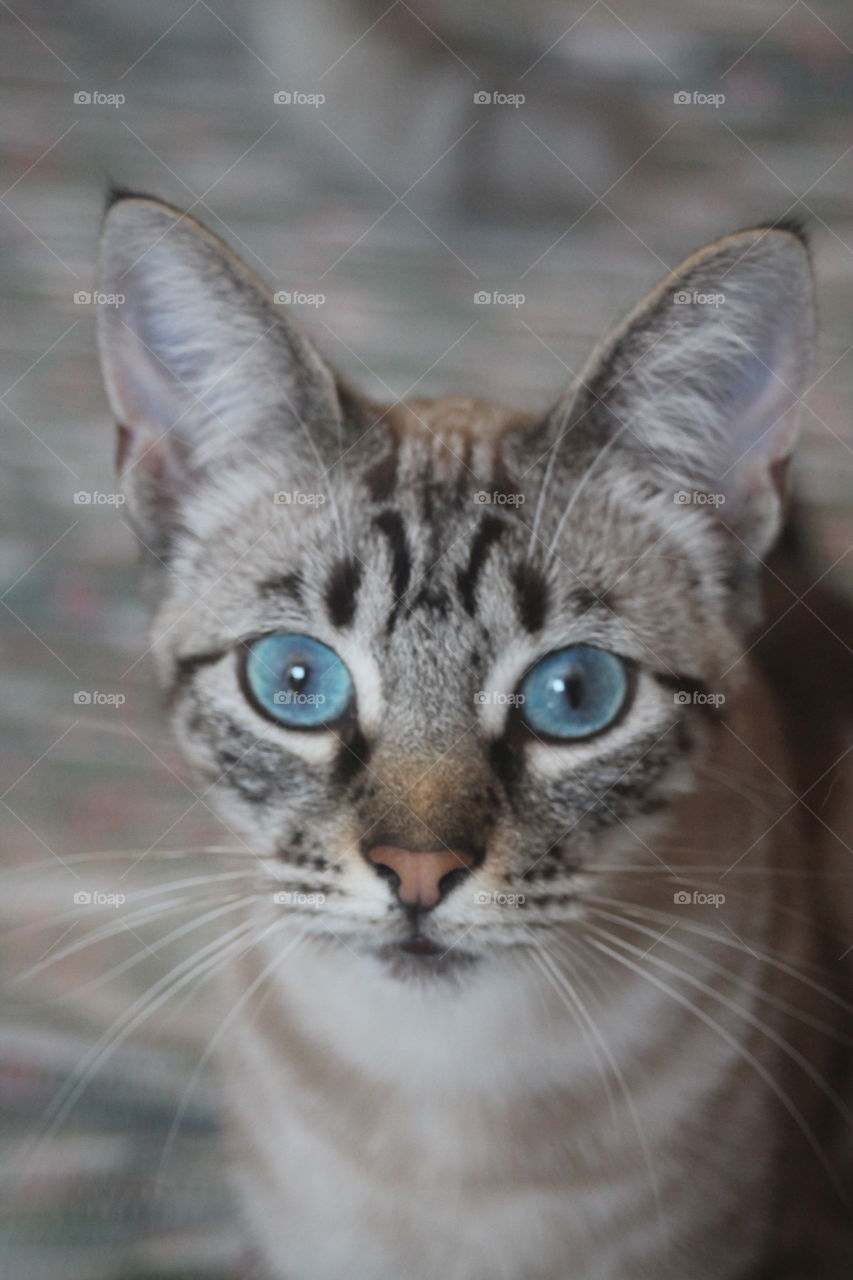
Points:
[(631, 678), (348, 718)]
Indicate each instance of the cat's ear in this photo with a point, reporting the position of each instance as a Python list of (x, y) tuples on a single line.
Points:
[(203, 371), (703, 379)]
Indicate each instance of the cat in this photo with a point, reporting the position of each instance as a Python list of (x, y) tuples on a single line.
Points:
[(546, 820)]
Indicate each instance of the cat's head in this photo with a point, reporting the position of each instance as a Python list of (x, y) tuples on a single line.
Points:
[(433, 661)]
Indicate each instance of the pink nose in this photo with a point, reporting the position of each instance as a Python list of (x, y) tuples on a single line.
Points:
[(420, 874)]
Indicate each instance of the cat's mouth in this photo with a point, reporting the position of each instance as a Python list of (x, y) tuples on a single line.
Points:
[(417, 944), (417, 955)]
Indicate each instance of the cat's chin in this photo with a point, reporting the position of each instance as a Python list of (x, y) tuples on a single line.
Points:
[(418, 957)]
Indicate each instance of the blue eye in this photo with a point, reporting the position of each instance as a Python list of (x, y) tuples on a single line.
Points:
[(574, 692), (298, 681)]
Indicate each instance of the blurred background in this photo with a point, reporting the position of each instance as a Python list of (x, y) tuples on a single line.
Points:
[(384, 164)]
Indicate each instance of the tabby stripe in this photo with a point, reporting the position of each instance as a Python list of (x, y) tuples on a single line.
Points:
[(286, 584), (390, 523), (507, 764), (501, 482), (531, 597), (432, 599), (491, 529), (185, 669), (584, 599), (342, 591)]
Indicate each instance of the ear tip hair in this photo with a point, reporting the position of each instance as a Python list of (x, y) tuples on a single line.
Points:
[(794, 226), (117, 193)]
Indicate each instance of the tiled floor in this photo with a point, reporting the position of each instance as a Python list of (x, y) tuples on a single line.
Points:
[(398, 198)]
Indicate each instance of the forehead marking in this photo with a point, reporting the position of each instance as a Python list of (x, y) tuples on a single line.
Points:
[(342, 591), (390, 525), (531, 596), (490, 530), (286, 584)]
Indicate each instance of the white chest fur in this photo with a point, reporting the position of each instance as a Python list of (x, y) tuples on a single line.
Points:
[(475, 1131)]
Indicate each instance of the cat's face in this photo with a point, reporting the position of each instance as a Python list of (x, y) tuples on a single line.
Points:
[(436, 664)]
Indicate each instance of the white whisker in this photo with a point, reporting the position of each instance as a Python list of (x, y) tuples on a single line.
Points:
[(217, 1036), (206, 959), (734, 1044), (561, 979)]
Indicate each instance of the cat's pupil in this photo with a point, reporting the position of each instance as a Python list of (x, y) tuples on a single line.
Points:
[(571, 685), (296, 676)]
